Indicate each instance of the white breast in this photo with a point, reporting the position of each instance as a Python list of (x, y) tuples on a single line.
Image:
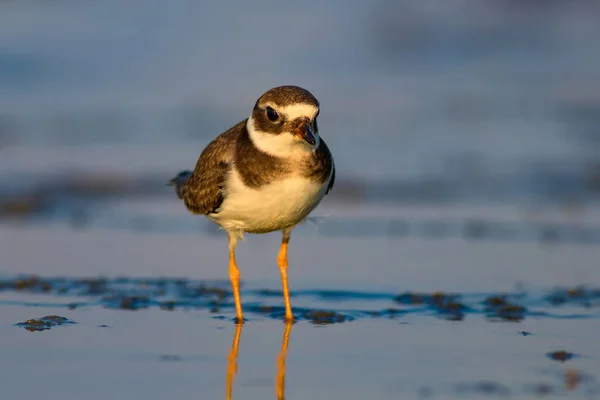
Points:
[(278, 205)]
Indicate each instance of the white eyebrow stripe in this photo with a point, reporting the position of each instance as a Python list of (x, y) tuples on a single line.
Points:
[(294, 111)]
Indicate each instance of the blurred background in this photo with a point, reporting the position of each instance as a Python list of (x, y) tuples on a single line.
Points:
[(493, 102), (472, 121)]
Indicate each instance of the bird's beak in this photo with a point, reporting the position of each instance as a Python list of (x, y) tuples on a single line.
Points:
[(305, 132)]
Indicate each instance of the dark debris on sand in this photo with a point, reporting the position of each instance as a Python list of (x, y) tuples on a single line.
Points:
[(169, 294), (561, 355), (579, 296), (445, 305), (130, 302), (126, 293), (317, 317), (20, 207), (44, 323), (29, 284), (322, 317), (498, 308)]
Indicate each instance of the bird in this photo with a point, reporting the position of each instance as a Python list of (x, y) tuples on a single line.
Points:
[(267, 173)]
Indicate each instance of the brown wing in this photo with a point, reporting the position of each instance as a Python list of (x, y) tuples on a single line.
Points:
[(202, 193)]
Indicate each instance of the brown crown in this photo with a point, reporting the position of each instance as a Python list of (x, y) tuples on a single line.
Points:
[(287, 95)]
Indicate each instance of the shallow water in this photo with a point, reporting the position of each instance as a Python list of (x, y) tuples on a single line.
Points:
[(383, 317), (156, 354)]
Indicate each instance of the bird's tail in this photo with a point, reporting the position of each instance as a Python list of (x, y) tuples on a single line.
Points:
[(179, 181)]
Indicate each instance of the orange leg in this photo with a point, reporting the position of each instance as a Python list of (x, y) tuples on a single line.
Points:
[(282, 261), (234, 276), (280, 380), (232, 361)]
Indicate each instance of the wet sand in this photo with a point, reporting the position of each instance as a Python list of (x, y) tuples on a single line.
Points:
[(150, 314)]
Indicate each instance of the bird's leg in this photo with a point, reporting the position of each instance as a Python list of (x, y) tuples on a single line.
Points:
[(232, 361), (234, 276), (282, 261), (280, 379)]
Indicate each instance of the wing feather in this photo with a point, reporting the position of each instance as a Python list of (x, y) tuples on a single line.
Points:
[(203, 192)]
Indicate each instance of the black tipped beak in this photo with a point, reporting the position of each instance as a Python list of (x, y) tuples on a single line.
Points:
[(305, 132)]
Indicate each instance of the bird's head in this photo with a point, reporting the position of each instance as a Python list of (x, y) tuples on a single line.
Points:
[(283, 122)]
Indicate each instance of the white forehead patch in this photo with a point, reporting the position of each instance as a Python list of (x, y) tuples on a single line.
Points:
[(294, 111)]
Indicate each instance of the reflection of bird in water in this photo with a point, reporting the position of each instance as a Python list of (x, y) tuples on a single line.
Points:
[(232, 362), (280, 380), (266, 173)]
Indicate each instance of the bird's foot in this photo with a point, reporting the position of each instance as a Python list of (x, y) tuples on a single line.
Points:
[(289, 319)]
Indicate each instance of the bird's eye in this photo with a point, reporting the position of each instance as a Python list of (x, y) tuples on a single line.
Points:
[(272, 114)]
